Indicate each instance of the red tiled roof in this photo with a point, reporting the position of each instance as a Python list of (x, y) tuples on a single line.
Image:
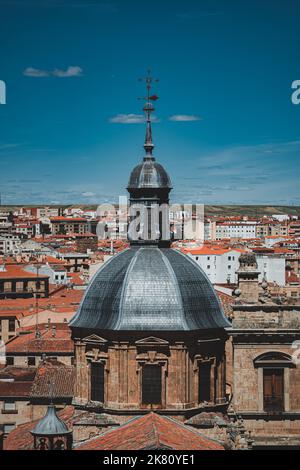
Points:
[(61, 301), (59, 375), (16, 271), (53, 260), (151, 431), (28, 343), (206, 250), (15, 389), (291, 277), (67, 219), (76, 278), (227, 301)]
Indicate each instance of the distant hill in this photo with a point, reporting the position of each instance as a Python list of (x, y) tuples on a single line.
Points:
[(224, 210)]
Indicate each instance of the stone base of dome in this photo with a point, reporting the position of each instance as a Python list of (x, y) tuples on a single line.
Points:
[(170, 374)]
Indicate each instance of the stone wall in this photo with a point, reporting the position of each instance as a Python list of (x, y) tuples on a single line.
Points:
[(123, 362)]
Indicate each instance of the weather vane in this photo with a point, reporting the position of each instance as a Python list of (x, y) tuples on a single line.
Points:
[(149, 80), (148, 109)]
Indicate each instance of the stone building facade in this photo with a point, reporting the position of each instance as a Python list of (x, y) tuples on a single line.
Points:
[(266, 372), (178, 362)]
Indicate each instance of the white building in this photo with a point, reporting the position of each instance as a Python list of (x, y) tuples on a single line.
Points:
[(272, 267), (227, 230), (220, 265), (271, 240), (9, 244), (57, 274), (281, 217)]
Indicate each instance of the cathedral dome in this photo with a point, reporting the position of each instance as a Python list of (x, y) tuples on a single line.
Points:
[(150, 288), (149, 174)]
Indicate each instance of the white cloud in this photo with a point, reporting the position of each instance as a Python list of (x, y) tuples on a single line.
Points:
[(127, 118), (184, 117), (32, 72), (131, 119), (71, 71), (88, 194), (8, 146)]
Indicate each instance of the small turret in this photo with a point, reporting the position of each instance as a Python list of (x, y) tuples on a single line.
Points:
[(51, 433)]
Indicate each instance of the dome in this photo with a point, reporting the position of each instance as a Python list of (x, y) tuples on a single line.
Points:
[(149, 174), (150, 288), (50, 425)]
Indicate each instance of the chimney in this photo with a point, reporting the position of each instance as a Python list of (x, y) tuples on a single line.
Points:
[(53, 331), (248, 288)]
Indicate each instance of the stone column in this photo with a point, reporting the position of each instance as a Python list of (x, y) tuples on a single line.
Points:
[(82, 374)]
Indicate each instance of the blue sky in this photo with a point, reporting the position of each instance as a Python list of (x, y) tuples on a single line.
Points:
[(225, 69)]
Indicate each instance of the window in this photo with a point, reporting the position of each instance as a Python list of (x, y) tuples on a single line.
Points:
[(10, 360), (229, 266), (197, 257), (11, 324), (8, 427), (208, 266), (9, 405), (151, 384), (273, 390), (204, 382), (97, 381), (229, 258), (31, 361)]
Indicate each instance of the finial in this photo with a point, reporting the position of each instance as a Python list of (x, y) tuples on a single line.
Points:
[(51, 390), (148, 109)]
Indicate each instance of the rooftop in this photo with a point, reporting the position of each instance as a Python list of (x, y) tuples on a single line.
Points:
[(47, 343), (151, 431), (53, 380), (21, 437)]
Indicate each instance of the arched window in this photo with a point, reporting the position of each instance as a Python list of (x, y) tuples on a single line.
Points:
[(97, 381), (272, 366), (273, 359)]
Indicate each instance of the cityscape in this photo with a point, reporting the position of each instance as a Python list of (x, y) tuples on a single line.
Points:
[(168, 321)]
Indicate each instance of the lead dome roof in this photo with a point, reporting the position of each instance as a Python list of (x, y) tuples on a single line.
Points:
[(150, 288), (149, 174)]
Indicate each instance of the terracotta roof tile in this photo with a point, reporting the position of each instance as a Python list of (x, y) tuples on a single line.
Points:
[(28, 343), (15, 389), (151, 431), (17, 271), (61, 378)]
